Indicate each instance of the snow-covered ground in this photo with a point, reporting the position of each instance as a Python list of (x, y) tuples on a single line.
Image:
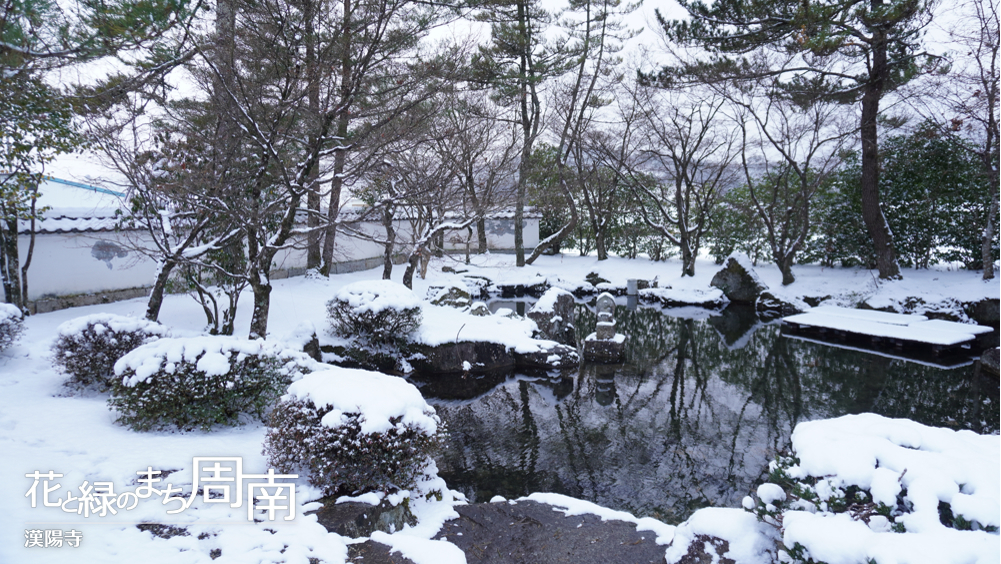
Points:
[(44, 429)]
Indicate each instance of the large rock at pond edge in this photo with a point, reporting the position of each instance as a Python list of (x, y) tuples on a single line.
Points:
[(990, 360), (553, 314), (738, 281), (985, 312), (448, 357), (354, 520), (453, 295), (554, 356), (528, 531)]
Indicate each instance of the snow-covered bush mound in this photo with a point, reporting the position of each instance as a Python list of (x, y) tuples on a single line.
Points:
[(202, 381), (353, 431), (87, 347), (375, 311), (864, 488), (11, 325)]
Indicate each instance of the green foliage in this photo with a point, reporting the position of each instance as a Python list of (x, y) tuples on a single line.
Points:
[(735, 226), (343, 460), (388, 326), (87, 348), (850, 31), (934, 198), (181, 395)]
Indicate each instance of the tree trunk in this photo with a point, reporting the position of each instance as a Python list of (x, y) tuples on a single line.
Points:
[(262, 304), (313, 195), (340, 157), (519, 208), (387, 259), (408, 274), (31, 250), (11, 270), (156, 296), (872, 212), (785, 267), (599, 243), (987, 246), (481, 235)]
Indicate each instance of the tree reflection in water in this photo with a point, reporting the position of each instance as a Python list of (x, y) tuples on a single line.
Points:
[(690, 421)]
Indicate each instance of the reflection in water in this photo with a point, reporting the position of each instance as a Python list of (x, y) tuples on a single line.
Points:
[(690, 421)]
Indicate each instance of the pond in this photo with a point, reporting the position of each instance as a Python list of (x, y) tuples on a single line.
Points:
[(691, 420)]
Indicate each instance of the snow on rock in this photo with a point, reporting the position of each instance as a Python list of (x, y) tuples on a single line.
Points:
[(421, 550), (443, 325), (750, 541), (377, 397), (888, 456), (116, 323), (210, 354), (547, 303), (377, 295)]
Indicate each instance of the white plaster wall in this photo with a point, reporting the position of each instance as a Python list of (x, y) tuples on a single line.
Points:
[(78, 263)]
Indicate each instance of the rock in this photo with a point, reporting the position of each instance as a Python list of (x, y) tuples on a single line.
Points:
[(448, 357), (989, 361), (985, 312), (814, 301), (528, 531), (770, 305), (355, 520), (738, 281), (479, 309), (594, 279), (479, 286), (554, 356), (553, 314), (604, 351), (371, 552), (312, 348), (697, 553), (451, 270), (454, 295)]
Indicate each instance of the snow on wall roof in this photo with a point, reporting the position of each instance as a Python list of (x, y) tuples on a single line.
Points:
[(75, 207)]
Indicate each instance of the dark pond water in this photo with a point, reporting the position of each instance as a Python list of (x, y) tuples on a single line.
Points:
[(689, 421)]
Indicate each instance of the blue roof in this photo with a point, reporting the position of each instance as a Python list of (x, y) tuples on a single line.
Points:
[(84, 186)]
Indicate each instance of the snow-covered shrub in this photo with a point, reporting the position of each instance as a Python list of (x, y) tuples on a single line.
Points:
[(11, 325), (353, 431), (202, 381), (375, 311), (855, 484), (87, 347)]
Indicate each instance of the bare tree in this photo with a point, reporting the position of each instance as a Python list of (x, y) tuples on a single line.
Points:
[(791, 138), (687, 158)]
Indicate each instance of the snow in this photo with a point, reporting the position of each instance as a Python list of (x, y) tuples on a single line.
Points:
[(547, 303), (8, 311), (43, 429), (750, 540), (377, 295), (934, 335), (956, 467), (117, 323), (888, 456), (377, 397), (211, 353)]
